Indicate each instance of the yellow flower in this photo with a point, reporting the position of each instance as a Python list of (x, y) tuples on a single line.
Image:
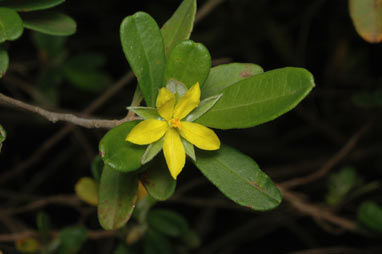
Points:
[(173, 128)]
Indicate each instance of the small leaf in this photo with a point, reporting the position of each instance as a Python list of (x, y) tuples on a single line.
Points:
[(145, 112), (367, 99), (50, 45), (27, 245), (142, 44), (189, 149), (117, 196), (239, 178), (49, 23), (4, 61), (152, 150), (3, 136), (118, 153), (156, 243), (87, 190), (203, 107), (191, 239), (121, 249), (259, 99), (188, 62), (157, 180), (225, 75), (178, 28), (167, 222), (370, 214), (96, 168), (11, 25), (367, 19), (28, 5), (43, 225), (71, 239), (177, 88), (340, 184)]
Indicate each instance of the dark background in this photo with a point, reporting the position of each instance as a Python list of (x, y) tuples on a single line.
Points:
[(317, 35)]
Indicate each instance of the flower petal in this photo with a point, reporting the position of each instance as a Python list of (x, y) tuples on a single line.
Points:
[(188, 102), (199, 135), (147, 132), (174, 152), (165, 103)]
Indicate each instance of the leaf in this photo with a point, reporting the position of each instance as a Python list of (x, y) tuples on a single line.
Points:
[(188, 62), (96, 168), (50, 45), (87, 190), (203, 107), (28, 5), (370, 214), (177, 88), (145, 112), (239, 178), (49, 23), (27, 245), (259, 99), (340, 184), (117, 196), (4, 61), (368, 99), (3, 136), (191, 239), (179, 26), (225, 75), (142, 44), (189, 149), (11, 25), (43, 225), (71, 239), (152, 150), (156, 243), (118, 153), (167, 222), (367, 19), (158, 181)]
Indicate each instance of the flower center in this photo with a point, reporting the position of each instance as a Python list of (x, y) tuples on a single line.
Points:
[(175, 123)]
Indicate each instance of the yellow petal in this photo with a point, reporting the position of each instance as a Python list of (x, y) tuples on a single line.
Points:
[(174, 152), (147, 132), (188, 102), (165, 103), (200, 136)]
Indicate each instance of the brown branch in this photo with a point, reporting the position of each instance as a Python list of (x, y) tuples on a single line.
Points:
[(54, 117), (328, 165), (206, 9)]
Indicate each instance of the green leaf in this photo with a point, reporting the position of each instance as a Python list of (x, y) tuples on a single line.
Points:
[(121, 249), (156, 243), (188, 62), (49, 23), (368, 99), (4, 61), (11, 25), (189, 149), (31, 5), (370, 214), (118, 153), (152, 150), (97, 167), (167, 222), (158, 181), (367, 19), (191, 239), (340, 184), (71, 239), (43, 225), (178, 28), (239, 178), (203, 107), (51, 45), (3, 136), (27, 245), (259, 99), (87, 190), (145, 112), (117, 197), (142, 44), (225, 75)]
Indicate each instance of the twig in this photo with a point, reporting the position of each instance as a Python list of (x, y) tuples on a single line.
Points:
[(54, 117), (333, 161), (206, 9), (337, 250)]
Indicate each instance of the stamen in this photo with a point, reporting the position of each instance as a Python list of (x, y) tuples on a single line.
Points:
[(175, 123)]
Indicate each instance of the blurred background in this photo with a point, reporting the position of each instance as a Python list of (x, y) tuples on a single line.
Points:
[(334, 131)]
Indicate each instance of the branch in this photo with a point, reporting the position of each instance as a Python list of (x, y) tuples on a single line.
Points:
[(54, 117)]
